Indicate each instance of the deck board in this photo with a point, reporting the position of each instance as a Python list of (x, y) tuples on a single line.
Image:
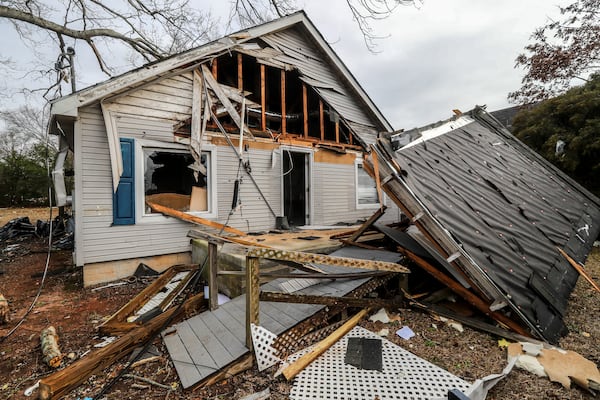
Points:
[(209, 341)]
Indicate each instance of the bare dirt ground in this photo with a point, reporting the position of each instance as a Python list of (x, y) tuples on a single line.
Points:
[(76, 312)]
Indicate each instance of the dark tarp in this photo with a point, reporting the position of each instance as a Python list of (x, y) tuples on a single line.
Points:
[(507, 208)]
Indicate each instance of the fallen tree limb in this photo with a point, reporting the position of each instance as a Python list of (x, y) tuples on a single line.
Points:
[(50, 350), (67, 379), (297, 366)]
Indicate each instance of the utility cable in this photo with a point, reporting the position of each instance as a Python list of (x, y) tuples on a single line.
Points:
[(41, 285)]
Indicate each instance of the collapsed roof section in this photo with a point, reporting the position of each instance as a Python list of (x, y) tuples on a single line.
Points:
[(496, 211)]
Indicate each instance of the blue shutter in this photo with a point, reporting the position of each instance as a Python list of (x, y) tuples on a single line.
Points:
[(124, 197)]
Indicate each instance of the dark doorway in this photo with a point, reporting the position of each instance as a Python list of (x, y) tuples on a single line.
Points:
[(295, 187)]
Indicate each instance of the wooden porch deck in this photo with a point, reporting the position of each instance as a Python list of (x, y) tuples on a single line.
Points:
[(205, 343)]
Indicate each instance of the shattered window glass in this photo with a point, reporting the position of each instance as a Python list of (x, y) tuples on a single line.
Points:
[(169, 181), (366, 187)]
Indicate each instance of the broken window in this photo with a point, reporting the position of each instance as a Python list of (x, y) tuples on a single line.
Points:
[(167, 177), (366, 189)]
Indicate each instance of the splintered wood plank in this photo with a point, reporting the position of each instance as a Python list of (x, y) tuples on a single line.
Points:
[(187, 371), (234, 346), (217, 352)]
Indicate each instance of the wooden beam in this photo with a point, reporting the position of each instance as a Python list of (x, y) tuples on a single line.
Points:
[(297, 366), (465, 294), (324, 300), (367, 224), (263, 99), (337, 131), (252, 297), (579, 269), (272, 275), (192, 218), (321, 120), (240, 72), (377, 178), (213, 287), (283, 108), (309, 258), (304, 110), (67, 379)]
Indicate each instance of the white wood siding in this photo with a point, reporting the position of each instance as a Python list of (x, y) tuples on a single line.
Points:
[(254, 215), (101, 241)]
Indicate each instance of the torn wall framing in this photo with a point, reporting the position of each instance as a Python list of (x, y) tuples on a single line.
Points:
[(496, 211)]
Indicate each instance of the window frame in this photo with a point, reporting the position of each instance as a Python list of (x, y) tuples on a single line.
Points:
[(358, 163), (140, 207)]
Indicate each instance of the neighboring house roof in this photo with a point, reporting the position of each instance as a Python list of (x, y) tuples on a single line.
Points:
[(506, 115), (500, 211), (318, 66)]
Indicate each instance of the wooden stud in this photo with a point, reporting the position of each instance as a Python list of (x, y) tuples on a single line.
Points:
[(283, 110), (214, 66), (321, 120), (240, 72), (213, 287), (377, 179), (252, 297), (305, 110), (263, 99), (297, 366), (337, 131)]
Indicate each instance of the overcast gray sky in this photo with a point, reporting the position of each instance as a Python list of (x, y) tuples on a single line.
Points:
[(446, 54)]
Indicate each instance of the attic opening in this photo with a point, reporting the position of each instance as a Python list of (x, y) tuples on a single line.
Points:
[(278, 102)]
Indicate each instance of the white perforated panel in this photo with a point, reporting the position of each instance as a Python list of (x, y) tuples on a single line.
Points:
[(404, 375), (265, 354)]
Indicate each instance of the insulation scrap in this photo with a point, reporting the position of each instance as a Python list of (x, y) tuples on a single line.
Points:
[(49, 339), (562, 366)]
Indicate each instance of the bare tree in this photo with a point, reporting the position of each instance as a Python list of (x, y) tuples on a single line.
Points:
[(563, 50), (152, 29), (24, 128), (364, 13)]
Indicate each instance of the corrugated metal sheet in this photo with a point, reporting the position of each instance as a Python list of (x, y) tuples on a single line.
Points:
[(509, 210)]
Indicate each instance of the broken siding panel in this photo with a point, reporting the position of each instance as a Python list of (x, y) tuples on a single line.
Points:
[(101, 241)]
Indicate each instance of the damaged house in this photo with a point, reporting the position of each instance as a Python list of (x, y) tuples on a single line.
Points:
[(169, 133)]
